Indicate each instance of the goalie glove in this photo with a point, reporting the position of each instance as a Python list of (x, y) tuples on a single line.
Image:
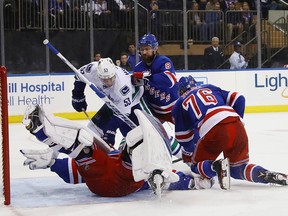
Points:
[(39, 159)]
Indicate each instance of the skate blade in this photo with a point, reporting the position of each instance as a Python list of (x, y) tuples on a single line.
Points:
[(225, 175)]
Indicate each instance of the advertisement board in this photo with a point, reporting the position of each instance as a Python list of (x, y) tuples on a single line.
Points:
[(264, 90)]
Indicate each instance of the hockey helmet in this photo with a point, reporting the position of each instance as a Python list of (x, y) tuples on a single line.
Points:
[(186, 83), (148, 40), (106, 68)]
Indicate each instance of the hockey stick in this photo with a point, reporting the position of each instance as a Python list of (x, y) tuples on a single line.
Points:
[(100, 94), (90, 120), (177, 160)]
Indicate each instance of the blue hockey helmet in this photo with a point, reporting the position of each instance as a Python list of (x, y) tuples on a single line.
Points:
[(148, 40), (186, 83)]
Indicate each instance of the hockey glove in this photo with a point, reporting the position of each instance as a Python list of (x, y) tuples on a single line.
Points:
[(79, 103), (138, 75), (137, 78), (39, 159), (187, 157), (109, 137)]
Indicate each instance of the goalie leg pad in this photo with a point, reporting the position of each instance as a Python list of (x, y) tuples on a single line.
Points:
[(134, 136), (85, 137), (61, 131), (153, 153)]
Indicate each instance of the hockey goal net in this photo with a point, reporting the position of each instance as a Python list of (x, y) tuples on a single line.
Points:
[(4, 139)]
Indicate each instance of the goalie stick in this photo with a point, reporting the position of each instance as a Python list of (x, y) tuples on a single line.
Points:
[(100, 94)]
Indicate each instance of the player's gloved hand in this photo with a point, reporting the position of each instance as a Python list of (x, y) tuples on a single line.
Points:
[(109, 137), (138, 75), (137, 78), (187, 157), (39, 159), (79, 103)]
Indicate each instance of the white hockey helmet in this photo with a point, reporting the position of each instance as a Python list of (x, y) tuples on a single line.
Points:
[(106, 68)]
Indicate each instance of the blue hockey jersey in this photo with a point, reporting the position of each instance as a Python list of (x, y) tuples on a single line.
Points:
[(200, 109), (161, 87)]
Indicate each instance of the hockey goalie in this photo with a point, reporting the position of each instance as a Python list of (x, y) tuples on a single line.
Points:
[(107, 172)]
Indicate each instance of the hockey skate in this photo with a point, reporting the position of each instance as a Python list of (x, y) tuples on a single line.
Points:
[(31, 118), (274, 177), (156, 182), (222, 169)]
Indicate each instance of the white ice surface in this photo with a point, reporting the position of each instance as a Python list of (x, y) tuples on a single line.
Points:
[(41, 192)]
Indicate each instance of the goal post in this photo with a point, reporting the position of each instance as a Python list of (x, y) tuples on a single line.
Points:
[(4, 138)]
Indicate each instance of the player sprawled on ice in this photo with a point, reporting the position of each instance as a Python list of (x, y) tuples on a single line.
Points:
[(158, 75), (208, 122), (106, 172), (114, 82)]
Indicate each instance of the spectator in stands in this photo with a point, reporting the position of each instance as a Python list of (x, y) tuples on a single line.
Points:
[(202, 4), (224, 4), (154, 16), (123, 13), (248, 21), (234, 22), (97, 56), (197, 22), (237, 60), (122, 5), (29, 17), (267, 5), (132, 55), (214, 19), (77, 15), (101, 13), (252, 4), (57, 10), (118, 62), (124, 61), (213, 55), (211, 4)]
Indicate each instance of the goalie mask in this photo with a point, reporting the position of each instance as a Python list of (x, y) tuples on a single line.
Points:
[(186, 83), (106, 71)]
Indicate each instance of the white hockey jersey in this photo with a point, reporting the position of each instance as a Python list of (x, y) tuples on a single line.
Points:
[(123, 94)]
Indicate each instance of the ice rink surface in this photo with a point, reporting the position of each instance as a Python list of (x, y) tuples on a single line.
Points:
[(41, 192)]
